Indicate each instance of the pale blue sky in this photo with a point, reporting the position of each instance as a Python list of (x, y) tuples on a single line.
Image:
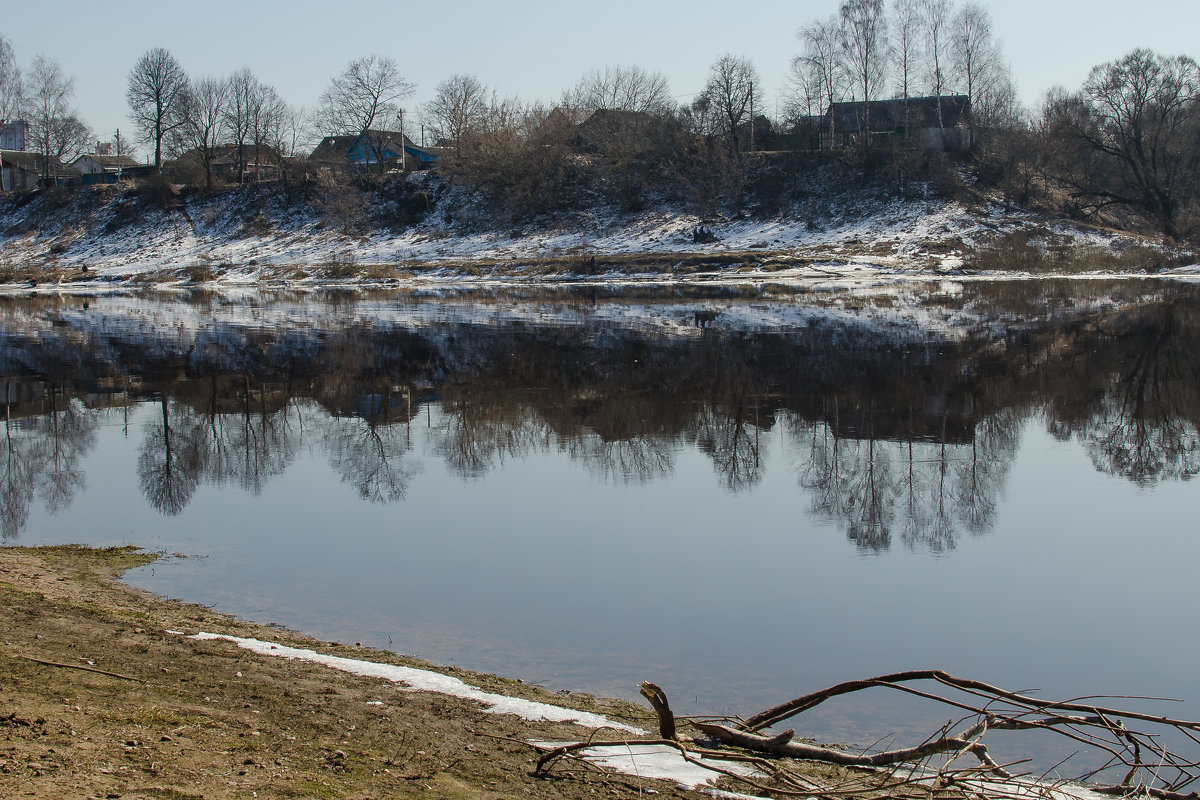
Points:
[(530, 48)]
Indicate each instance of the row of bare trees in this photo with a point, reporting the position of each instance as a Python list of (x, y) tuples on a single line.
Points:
[(1126, 145), (43, 96), (202, 115), (923, 47)]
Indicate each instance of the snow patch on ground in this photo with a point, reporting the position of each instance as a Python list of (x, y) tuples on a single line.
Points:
[(660, 761), (424, 680)]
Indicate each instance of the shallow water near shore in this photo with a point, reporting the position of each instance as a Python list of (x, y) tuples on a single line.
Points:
[(740, 498)]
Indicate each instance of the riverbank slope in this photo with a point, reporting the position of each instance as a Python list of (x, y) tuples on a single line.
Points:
[(298, 235)]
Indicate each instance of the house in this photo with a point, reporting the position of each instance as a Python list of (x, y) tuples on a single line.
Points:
[(371, 147), (97, 168), (22, 171), (14, 135), (607, 128), (886, 121), (260, 163), (230, 162)]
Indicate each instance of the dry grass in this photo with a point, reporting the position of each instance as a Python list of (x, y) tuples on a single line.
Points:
[(1040, 251)]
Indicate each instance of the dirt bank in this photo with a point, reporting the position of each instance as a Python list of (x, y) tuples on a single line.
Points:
[(100, 700)]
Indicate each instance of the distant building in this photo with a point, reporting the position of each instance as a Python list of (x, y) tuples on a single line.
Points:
[(14, 135), (99, 168), (372, 147), (21, 171), (260, 163), (609, 128), (885, 121)]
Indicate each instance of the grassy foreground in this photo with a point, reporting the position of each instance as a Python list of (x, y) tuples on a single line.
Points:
[(98, 700)]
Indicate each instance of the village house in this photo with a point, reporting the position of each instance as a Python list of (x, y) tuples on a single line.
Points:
[(21, 171), (934, 123), (96, 168), (371, 148)]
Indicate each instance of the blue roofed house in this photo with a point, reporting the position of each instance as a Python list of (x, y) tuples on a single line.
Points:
[(373, 148)]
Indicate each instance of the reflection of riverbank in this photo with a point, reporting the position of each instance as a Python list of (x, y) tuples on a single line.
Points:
[(908, 435)]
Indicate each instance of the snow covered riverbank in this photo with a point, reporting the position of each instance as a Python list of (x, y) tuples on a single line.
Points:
[(254, 236)]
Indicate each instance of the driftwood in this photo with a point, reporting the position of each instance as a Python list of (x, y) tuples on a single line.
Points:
[(1131, 741), (658, 701), (782, 745)]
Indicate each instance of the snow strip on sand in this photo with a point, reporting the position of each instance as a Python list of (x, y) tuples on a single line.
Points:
[(425, 680), (659, 761)]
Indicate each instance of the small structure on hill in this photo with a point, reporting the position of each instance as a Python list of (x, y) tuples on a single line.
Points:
[(14, 135), (935, 123)]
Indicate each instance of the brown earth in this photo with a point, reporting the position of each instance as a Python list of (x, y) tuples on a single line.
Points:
[(180, 718)]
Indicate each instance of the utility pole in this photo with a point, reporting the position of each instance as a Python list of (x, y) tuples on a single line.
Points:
[(751, 116), (118, 155), (400, 116)]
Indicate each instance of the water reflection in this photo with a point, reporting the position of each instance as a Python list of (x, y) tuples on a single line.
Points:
[(903, 434), (42, 454)]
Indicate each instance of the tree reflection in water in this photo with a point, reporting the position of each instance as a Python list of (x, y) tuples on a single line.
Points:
[(171, 459), (897, 438)]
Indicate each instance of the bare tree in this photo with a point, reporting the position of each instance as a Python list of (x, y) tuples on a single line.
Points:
[(864, 45), (266, 113), (205, 116), (367, 93), (979, 64), (243, 92), (935, 19), (820, 58), (458, 107), (54, 125), (156, 93), (621, 88), (292, 130), (802, 96), (11, 94), (1131, 138), (905, 45), (732, 84)]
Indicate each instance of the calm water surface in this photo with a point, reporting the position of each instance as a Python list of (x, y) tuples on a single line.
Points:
[(741, 498)]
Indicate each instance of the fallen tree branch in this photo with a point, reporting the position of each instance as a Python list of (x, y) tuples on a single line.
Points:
[(783, 711), (81, 667), (782, 745)]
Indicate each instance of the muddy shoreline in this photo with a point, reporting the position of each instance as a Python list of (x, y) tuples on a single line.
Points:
[(103, 699)]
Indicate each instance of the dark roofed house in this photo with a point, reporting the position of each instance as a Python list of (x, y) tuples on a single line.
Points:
[(22, 171), (256, 163), (98, 168), (609, 127), (230, 162), (883, 121), (371, 148)]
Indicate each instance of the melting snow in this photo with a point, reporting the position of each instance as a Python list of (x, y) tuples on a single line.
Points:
[(660, 761), (425, 680)]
